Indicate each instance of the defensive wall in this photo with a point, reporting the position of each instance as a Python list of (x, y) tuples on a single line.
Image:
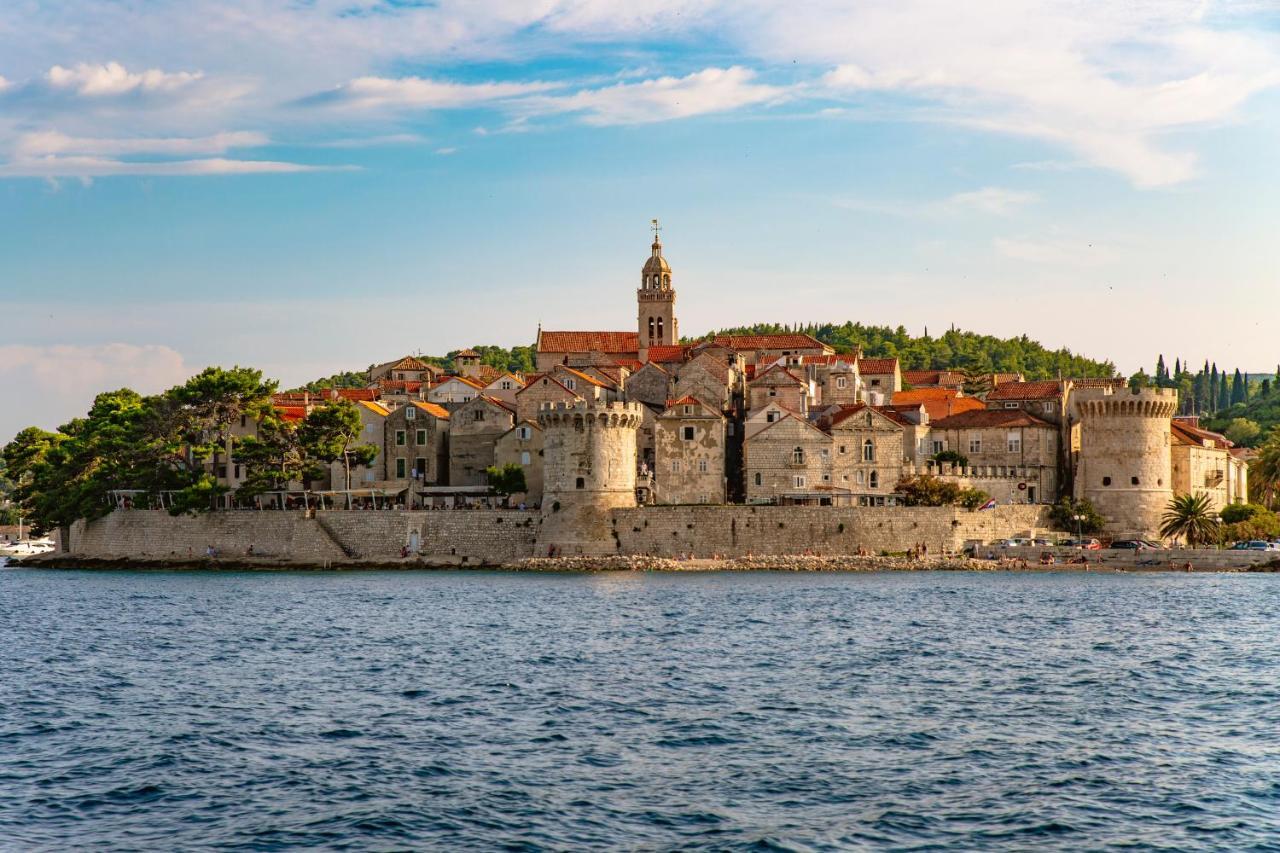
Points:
[(491, 537)]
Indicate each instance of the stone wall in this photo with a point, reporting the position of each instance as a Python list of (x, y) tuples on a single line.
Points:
[(496, 536)]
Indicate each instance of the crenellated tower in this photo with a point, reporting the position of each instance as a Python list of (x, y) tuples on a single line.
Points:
[(656, 300), (1124, 466)]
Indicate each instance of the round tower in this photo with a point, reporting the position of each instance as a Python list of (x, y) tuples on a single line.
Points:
[(1124, 463), (589, 470)]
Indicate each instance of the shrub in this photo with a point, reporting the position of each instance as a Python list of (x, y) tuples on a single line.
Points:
[(955, 457), (1065, 510), (971, 499), (927, 490)]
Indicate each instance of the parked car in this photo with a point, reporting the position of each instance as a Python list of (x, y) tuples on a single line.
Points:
[(1087, 543), (1013, 542), (1255, 545), (1129, 545)]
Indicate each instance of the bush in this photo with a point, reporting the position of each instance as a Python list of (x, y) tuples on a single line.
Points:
[(955, 457), (927, 490), (971, 499), (1065, 510), (1236, 513)]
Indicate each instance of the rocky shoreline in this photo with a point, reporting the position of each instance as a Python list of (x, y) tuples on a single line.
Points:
[(773, 563)]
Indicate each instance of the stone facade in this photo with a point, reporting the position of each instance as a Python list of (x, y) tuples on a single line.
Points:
[(690, 454), (474, 430), (1125, 465), (779, 385), (785, 461), (416, 445), (1000, 441), (866, 453), (650, 384), (522, 445), (538, 392)]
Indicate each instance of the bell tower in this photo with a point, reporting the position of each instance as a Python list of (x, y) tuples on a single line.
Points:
[(656, 300)]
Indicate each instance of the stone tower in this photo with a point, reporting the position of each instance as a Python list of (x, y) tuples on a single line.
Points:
[(589, 469), (1124, 464), (656, 301)]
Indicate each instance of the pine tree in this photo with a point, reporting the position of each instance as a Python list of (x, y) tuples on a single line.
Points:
[(1177, 368), (1238, 390), (1162, 372)]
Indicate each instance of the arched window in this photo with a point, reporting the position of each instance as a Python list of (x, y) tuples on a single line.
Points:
[(860, 477), (875, 480), (868, 451), (797, 456), (759, 478), (651, 328), (666, 281), (659, 328)]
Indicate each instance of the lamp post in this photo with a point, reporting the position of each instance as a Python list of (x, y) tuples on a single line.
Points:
[(1079, 529)]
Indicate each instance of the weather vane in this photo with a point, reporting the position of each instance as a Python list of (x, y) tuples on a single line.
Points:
[(655, 227)]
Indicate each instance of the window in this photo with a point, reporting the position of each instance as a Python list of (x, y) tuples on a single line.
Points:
[(688, 410), (660, 326), (571, 384), (797, 456), (1133, 481), (687, 433), (400, 469), (840, 382), (506, 385), (770, 417), (702, 466), (875, 383), (826, 478), (524, 432), (651, 328), (868, 451), (801, 482), (477, 415), (1011, 405), (582, 483), (1106, 481), (975, 445), (524, 457), (421, 437), (759, 478), (420, 468), (243, 421), (938, 447), (826, 454), (1015, 442), (860, 478), (842, 449), (675, 466), (400, 438), (874, 480), (410, 413), (773, 392)]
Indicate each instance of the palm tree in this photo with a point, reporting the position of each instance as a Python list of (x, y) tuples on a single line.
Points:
[(1264, 472), (1192, 518)]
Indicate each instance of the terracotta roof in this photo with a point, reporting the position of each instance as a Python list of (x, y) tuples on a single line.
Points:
[(667, 354), (1047, 389), (433, 409), (466, 353), (1001, 378), (777, 368), (479, 386), (1196, 435), (578, 374), (926, 378), (405, 386), (784, 341), (376, 408), (847, 412), (991, 418), (877, 365), (411, 363), (502, 404), (508, 375), (629, 363), (690, 400), (610, 342), (353, 394), (291, 413)]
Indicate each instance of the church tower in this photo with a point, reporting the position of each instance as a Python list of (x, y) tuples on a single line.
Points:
[(656, 300)]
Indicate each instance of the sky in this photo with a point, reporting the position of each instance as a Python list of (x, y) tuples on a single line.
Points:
[(318, 185)]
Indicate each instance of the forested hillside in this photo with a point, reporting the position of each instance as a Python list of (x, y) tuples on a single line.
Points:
[(960, 350)]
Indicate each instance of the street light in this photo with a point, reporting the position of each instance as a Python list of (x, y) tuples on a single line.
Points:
[(1079, 529)]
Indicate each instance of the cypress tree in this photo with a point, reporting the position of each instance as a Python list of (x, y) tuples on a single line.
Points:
[(1266, 388), (1177, 368), (1224, 394), (1238, 391), (1162, 372)]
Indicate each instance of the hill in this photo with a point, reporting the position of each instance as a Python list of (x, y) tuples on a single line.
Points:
[(956, 349)]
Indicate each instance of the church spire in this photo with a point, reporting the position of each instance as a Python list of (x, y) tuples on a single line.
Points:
[(656, 299)]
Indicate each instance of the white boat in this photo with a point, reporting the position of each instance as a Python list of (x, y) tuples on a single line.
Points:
[(22, 547)]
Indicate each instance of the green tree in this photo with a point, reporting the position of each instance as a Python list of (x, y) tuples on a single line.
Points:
[(955, 457), (1242, 431), (1190, 517), (971, 499), (506, 480), (927, 490), (329, 434), (1139, 380), (1064, 512)]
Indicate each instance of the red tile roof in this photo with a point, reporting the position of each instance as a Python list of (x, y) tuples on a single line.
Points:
[(938, 402), (979, 418), (399, 385), (1196, 435), (690, 400), (933, 378), (610, 342), (785, 341), (1048, 389), (291, 413), (433, 409), (667, 354), (877, 365), (466, 353), (411, 363), (578, 374)]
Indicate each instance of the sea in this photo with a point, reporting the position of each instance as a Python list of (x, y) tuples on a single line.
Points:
[(418, 710)]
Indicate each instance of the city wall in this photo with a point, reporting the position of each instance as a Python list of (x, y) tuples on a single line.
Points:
[(491, 537)]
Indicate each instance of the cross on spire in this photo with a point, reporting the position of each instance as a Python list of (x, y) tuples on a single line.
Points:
[(655, 228)]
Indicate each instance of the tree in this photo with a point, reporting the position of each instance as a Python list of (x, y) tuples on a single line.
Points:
[(1239, 388), (1190, 517), (1242, 431), (1064, 514), (1264, 471), (1162, 372), (213, 402), (927, 490), (1139, 380), (971, 499), (328, 434), (506, 480), (955, 457)]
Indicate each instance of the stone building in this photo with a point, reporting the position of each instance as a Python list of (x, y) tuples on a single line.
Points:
[(589, 470), (1124, 465), (866, 451), (779, 385), (881, 379), (767, 349), (504, 387), (710, 376), (539, 390), (651, 384), (786, 462), (656, 302), (474, 430), (1013, 449), (453, 391), (467, 363), (416, 444), (689, 453), (1203, 464), (407, 369), (522, 445)]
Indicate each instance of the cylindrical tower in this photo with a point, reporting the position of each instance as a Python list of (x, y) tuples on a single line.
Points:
[(1124, 467), (589, 469)]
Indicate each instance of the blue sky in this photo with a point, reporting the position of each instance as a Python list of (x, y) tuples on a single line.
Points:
[(309, 187)]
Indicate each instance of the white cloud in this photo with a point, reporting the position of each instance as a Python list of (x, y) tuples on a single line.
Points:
[(69, 377), (421, 93), (993, 201), (708, 91), (51, 142), (997, 201), (93, 167), (114, 79)]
